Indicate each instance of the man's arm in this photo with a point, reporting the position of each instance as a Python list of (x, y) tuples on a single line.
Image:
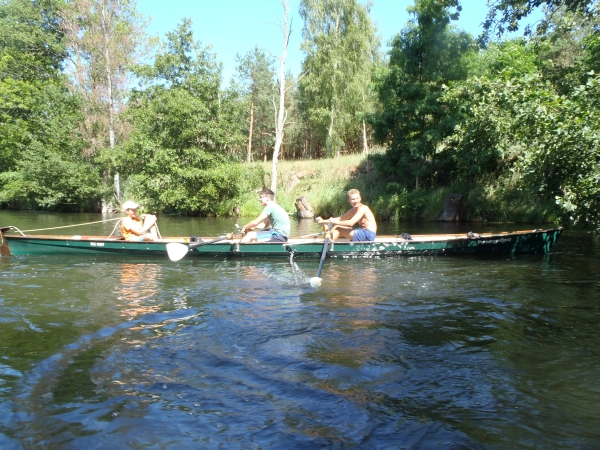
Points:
[(253, 224), (350, 218), (139, 228), (149, 222), (335, 220)]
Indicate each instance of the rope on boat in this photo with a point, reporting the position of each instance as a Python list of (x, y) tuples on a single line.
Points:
[(68, 226), (115, 228), (88, 223)]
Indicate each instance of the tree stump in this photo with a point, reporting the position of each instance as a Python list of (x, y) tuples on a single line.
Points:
[(453, 209), (303, 208), (4, 249)]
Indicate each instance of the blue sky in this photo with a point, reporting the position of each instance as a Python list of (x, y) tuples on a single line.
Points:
[(235, 26)]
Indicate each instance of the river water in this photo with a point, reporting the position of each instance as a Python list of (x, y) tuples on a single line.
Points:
[(412, 353)]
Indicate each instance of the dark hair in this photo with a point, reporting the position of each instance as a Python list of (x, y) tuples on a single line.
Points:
[(268, 192)]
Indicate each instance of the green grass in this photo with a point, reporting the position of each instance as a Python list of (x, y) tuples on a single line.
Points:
[(324, 183)]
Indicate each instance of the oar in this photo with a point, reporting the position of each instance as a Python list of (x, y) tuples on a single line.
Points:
[(177, 251), (316, 281), (308, 235)]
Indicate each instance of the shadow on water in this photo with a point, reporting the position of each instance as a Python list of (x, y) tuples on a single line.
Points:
[(417, 352)]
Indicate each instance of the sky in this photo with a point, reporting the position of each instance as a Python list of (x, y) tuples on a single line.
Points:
[(234, 27)]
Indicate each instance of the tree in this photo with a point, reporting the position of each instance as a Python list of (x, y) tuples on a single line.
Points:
[(513, 11), (425, 58), (568, 48), (280, 109), (183, 126), (41, 161), (341, 48), (105, 37), (533, 138), (32, 51), (255, 72)]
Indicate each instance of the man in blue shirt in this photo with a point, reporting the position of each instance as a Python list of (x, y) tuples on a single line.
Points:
[(273, 215)]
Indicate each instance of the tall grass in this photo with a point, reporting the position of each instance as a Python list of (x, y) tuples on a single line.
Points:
[(324, 183)]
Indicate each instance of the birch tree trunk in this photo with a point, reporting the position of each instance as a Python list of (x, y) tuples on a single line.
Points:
[(334, 93), (280, 112), (106, 31), (330, 131), (341, 47), (365, 143), (249, 156), (104, 37)]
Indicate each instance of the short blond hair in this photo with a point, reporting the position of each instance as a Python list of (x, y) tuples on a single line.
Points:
[(353, 191)]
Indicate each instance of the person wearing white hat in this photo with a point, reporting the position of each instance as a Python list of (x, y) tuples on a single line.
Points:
[(135, 229)]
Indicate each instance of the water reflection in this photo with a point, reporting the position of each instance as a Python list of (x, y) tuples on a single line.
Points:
[(138, 290)]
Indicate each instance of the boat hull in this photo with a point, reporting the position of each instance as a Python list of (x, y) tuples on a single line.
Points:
[(520, 242)]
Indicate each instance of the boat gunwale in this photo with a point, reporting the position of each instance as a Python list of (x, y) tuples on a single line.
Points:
[(506, 242), (421, 238)]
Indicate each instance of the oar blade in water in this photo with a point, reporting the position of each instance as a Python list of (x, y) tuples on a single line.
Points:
[(315, 282), (176, 251)]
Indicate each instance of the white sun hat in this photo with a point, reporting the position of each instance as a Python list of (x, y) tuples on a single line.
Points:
[(130, 205)]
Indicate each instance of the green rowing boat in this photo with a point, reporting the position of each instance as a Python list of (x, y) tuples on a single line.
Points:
[(516, 242)]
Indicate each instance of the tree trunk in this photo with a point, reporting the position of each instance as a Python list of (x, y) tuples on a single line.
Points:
[(330, 132), (303, 208), (365, 144), (249, 157), (111, 100), (453, 209), (281, 115)]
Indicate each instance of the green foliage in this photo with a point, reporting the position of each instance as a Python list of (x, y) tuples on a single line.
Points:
[(30, 39), (214, 190), (513, 127), (547, 144), (504, 60), (30, 56), (425, 57), (257, 76), (513, 11), (49, 171), (48, 180), (182, 127), (103, 39), (341, 48), (41, 158)]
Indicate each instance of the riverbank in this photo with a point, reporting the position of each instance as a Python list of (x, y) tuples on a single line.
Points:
[(324, 183)]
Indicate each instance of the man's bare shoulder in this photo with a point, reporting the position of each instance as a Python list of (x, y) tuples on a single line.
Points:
[(364, 209)]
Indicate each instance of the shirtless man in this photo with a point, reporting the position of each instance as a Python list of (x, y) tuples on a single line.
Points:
[(360, 214)]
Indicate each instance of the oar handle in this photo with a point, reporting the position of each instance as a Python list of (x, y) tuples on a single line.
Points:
[(220, 238), (324, 252)]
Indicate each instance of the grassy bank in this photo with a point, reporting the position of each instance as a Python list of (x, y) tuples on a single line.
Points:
[(324, 183)]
